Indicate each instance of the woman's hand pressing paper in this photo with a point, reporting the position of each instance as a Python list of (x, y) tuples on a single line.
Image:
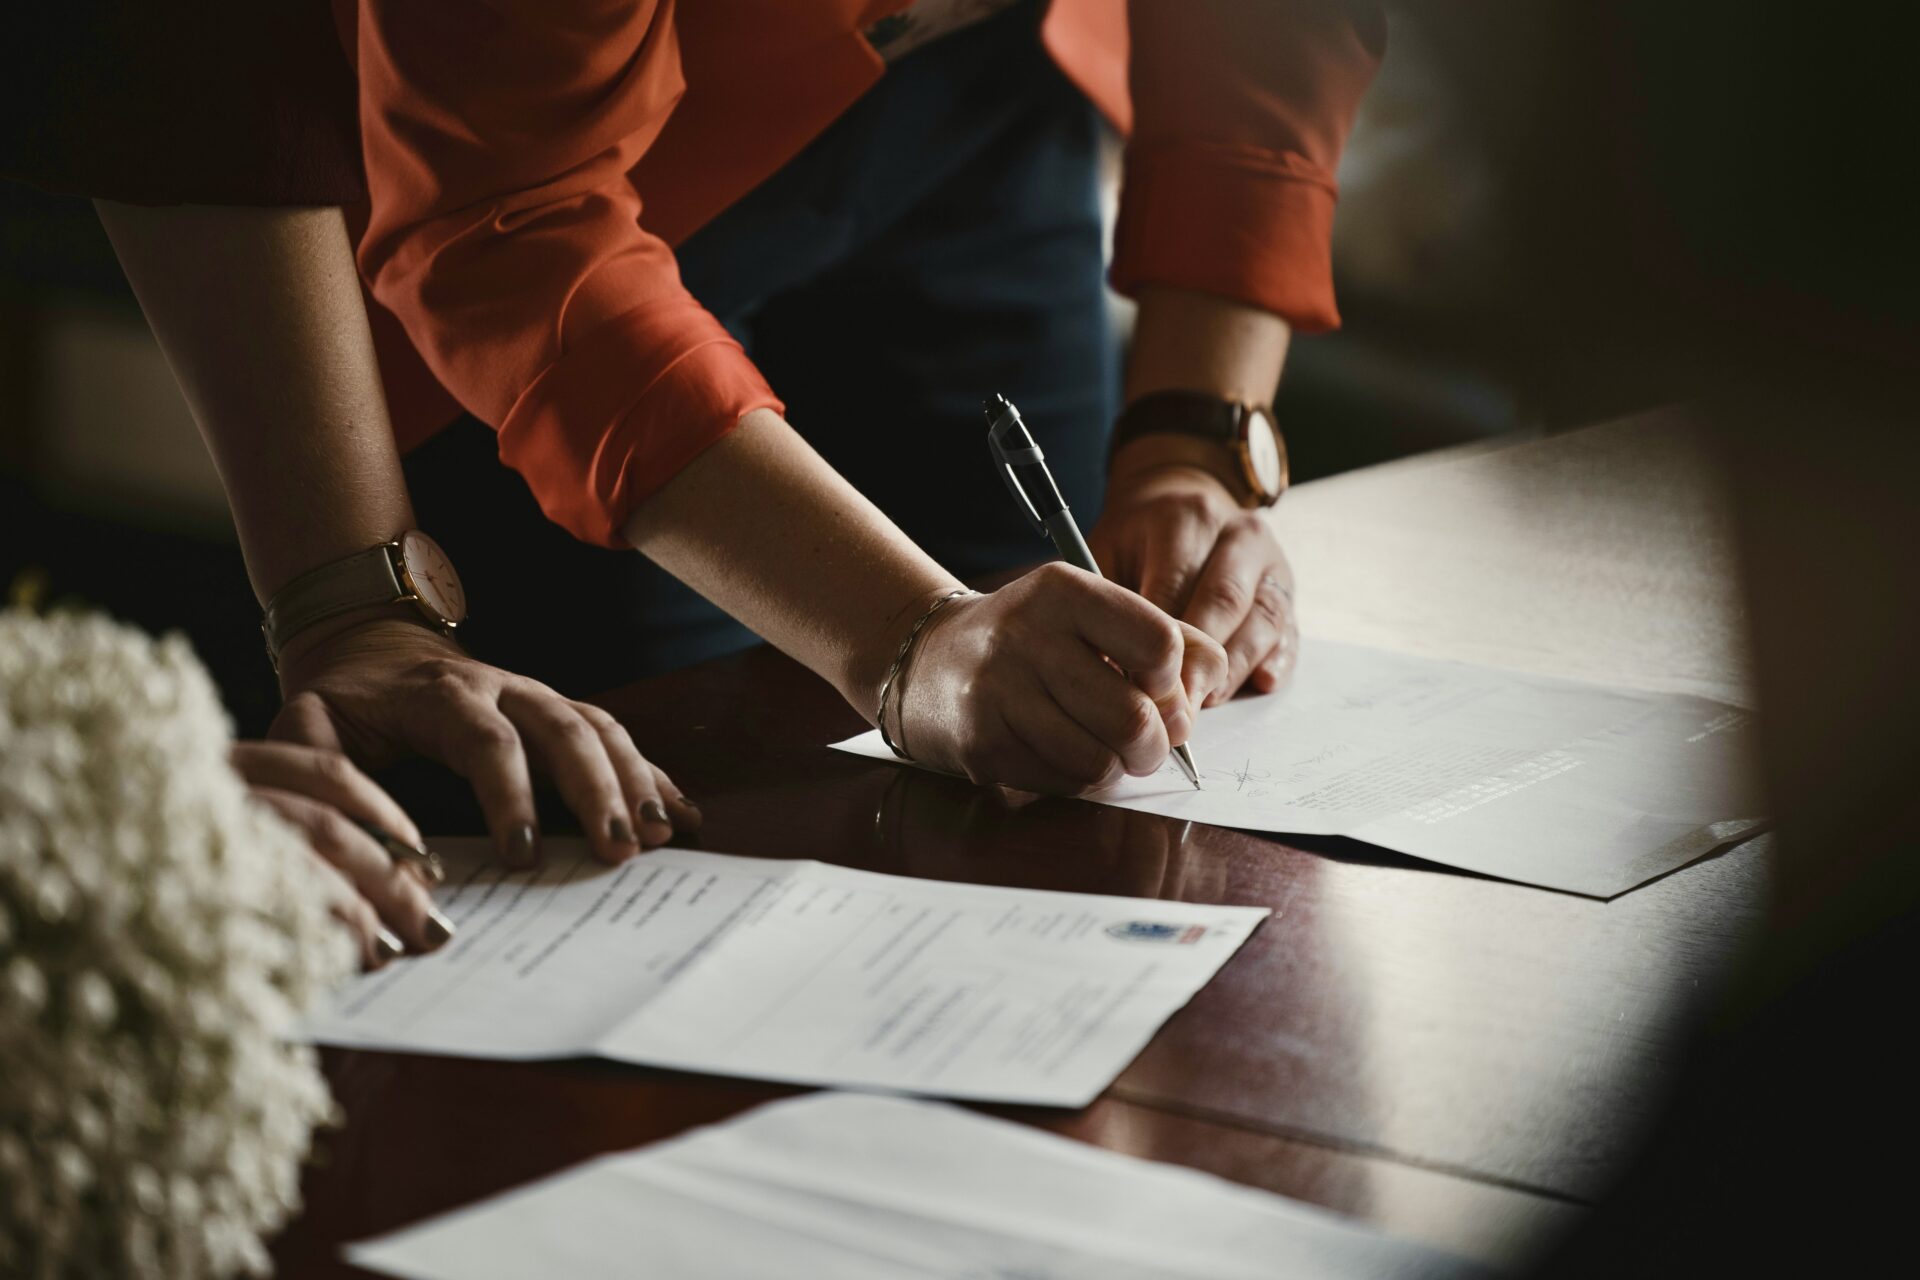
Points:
[(382, 689), (381, 898)]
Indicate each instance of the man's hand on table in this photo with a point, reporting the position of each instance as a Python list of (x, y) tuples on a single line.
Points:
[(1173, 531), (380, 688)]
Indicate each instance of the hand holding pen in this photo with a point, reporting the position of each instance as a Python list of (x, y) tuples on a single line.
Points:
[(1024, 467), (1016, 687), (1058, 682)]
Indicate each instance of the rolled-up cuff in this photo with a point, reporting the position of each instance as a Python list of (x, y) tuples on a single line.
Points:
[(1255, 226), (613, 420)]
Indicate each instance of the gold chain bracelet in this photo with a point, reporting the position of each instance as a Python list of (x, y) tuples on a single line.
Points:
[(899, 661)]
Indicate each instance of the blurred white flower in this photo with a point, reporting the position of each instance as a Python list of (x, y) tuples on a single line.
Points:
[(160, 935)]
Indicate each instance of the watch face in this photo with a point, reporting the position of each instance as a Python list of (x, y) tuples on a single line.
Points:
[(430, 574), (1265, 454)]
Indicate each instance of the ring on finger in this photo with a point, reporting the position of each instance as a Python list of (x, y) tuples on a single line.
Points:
[(407, 854)]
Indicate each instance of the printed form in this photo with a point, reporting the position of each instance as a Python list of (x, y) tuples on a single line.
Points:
[(867, 1188), (795, 971), (1548, 782)]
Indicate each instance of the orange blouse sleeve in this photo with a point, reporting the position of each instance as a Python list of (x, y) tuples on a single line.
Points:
[(505, 236), (1240, 110)]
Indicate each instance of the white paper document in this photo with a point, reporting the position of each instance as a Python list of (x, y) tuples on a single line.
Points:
[(795, 971), (868, 1188), (1549, 782)]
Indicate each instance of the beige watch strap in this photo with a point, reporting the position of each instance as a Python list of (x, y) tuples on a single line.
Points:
[(365, 578)]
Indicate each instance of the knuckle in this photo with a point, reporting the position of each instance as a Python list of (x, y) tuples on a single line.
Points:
[(1175, 581), (1215, 657), (1169, 644), (1268, 602), (616, 738), (1054, 572), (333, 767), (575, 733), (601, 720), (528, 687), (1140, 721), (1226, 594), (332, 833), (493, 738)]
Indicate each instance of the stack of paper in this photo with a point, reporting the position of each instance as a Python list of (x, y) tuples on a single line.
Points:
[(794, 971), (865, 1188), (1548, 782)]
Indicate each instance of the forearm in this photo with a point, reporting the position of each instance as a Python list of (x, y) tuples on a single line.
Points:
[(764, 528), (1189, 341), (260, 316)]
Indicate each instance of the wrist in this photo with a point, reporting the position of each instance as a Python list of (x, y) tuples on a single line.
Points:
[(274, 563), (370, 625), (867, 672), (1153, 454)]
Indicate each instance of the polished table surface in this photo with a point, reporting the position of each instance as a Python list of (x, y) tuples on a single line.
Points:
[(1454, 1058)]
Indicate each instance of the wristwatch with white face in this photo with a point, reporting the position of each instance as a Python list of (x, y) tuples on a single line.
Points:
[(411, 570), (1245, 431)]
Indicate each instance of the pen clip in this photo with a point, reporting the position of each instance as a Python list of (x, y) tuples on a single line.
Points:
[(1004, 420)]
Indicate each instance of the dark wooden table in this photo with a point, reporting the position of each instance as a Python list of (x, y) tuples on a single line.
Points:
[(1454, 1058)]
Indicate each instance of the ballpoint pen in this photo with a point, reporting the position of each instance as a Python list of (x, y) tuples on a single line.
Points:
[(1024, 468)]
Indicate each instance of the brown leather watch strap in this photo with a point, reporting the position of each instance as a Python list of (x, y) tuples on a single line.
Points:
[(1184, 413), (1215, 428)]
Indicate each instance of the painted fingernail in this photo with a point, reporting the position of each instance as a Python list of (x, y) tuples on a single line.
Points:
[(387, 946), (523, 846), (656, 813), (439, 929), (620, 830), (693, 811)]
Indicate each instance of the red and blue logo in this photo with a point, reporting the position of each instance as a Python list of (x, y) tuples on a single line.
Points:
[(1156, 931)]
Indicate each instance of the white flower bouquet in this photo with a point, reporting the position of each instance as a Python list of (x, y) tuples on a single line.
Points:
[(159, 935)]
